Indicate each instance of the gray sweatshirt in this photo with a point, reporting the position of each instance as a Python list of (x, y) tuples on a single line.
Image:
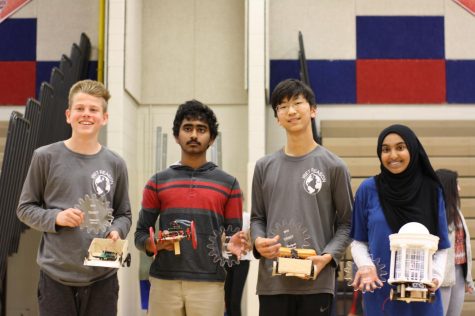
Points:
[(56, 179), (311, 197)]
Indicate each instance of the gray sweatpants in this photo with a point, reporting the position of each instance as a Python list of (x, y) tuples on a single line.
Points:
[(453, 296)]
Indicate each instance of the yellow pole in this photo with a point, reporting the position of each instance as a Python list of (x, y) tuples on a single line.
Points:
[(100, 41)]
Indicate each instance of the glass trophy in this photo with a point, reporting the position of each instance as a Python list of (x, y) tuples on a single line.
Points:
[(97, 213), (351, 269), (292, 235), (218, 245)]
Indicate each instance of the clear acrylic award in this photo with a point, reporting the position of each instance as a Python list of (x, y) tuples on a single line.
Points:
[(351, 269), (220, 243), (97, 213)]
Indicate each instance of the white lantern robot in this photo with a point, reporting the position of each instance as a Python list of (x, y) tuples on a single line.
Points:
[(412, 249)]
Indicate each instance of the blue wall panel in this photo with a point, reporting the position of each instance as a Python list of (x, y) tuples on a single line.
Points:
[(92, 70), (281, 70), (43, 73), (333, 81), (18, 40), (460, 81), (387, 37)]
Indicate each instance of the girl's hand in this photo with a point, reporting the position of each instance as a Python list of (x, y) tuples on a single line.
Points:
[(366, 279), (435, 286), (468, 289)]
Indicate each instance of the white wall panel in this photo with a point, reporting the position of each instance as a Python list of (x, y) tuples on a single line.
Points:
[(133, 48), (400, 7), (193, 49), (233, 127), (328, 28), (168, 50), (459, 32), (219, 51), (60, 24)]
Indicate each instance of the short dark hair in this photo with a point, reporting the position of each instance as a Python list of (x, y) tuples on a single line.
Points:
[(288, 89), (195, 110)]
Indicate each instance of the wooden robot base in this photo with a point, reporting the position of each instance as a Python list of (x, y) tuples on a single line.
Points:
[(294, 262), (411, 292)]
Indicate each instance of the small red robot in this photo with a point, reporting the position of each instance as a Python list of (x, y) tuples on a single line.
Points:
[(175, 233)]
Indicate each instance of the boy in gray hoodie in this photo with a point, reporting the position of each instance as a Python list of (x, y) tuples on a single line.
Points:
[(59, 175), (304, 192)]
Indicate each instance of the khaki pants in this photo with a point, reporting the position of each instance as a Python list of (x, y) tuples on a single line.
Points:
[(190, 298)]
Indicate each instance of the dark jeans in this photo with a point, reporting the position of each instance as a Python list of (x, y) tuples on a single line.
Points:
[(233, 287), (99, 298), (295, 305)]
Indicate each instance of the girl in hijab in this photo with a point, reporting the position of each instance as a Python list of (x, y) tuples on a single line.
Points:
[(406, 190)]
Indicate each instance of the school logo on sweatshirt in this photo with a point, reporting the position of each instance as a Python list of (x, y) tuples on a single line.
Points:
[(313, 180), (102, 182)]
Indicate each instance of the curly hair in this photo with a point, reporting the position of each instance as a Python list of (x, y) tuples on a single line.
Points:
[(195, 110)]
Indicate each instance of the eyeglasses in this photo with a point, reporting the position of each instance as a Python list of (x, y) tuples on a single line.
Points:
[(285, 107)]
